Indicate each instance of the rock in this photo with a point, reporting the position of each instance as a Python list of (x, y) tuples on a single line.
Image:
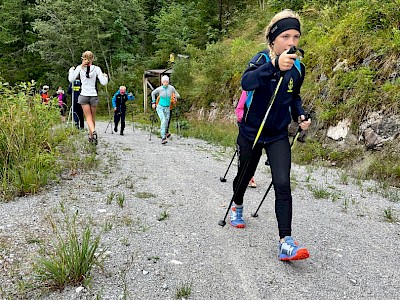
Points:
[(340, 131), (341, 65), (176, 262), (372, 140), (378, 128)]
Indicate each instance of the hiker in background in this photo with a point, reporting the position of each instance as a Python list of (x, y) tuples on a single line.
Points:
[(77, 112), (239, 116), (166, 96), (171, 59), (88, 74), (62, 102), (44, 94), (119, 105), (264, 71), (171, 108)]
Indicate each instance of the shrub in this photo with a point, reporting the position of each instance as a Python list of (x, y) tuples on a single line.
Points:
[(26, 140)]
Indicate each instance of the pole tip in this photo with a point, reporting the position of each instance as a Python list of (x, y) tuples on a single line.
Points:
[(222, 223), (254, 215), (222, 179)]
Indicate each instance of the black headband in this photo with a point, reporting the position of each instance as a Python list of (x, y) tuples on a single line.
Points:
[(281, 26)]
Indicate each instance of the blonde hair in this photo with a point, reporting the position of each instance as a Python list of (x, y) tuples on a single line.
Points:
[(286, 13), (123, 88), (87, 58)]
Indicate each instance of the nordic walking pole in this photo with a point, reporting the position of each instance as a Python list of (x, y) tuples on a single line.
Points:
[(152, 117), (223, 179), (133, 124), (260, 129), (72, 104), (109, 109), (151, 129), (255, 214), (109, 125)]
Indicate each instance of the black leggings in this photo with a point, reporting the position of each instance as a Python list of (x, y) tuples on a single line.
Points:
[(78, 115), (120, 115), (279, 156)]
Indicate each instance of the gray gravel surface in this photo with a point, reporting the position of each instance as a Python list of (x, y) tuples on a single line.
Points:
[(354, 250)]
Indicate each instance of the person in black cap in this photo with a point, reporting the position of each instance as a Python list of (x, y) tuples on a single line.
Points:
[(77, 112), (263, 80)]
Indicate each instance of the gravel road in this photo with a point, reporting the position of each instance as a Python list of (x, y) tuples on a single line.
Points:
[(166, 236)]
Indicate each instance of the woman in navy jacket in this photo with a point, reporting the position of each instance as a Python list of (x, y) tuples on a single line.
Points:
[(262, 77)]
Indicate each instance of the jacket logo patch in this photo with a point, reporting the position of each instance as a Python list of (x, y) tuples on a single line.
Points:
[(290, 85)]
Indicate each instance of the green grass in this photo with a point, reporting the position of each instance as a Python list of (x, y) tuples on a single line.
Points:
[(34, 146), (70, 259), (320, 192), (184, 291), (120, 198), (389, 215), (145, 195), (110, 198), (163, 216)]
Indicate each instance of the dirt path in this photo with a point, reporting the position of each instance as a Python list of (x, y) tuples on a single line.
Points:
[(354, 250)]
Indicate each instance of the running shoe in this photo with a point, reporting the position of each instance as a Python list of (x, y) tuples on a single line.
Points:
[(94, 137), (236, 217), (252, 183), (291, 250)]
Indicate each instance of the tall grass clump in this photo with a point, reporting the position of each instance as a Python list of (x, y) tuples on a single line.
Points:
[(26, 152), (221, 134), (31, 141), (71, 258)]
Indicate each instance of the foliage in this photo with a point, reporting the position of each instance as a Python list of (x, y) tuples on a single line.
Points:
[(385, 166), (113, 31), (26, 141), (173, 28), (17, 64), (71, 259), (33, 145), (359, 37), (224, 135), (214, 73)]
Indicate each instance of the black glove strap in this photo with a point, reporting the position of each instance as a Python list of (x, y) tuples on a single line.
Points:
[(277, 63)]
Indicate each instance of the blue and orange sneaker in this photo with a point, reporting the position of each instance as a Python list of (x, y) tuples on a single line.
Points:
[(291, 250), (236, 217)]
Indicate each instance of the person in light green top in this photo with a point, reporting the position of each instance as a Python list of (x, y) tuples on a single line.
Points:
[(166, 96)]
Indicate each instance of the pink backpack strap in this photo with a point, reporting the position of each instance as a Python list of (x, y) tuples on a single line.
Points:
[(240, 106)]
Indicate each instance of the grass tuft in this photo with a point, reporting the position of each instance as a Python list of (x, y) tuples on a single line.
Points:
[(71, 258)]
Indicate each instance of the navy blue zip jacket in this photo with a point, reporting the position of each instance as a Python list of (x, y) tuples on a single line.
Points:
[(262, 77)]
